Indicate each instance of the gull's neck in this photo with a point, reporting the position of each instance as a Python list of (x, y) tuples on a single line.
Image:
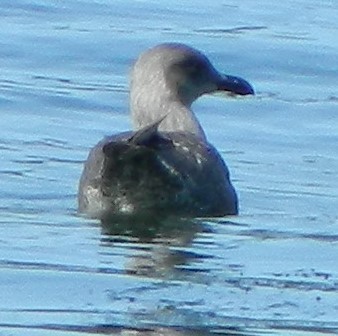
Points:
[(148, 106)]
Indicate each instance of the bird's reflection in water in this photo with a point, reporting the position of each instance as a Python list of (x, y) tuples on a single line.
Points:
[(149, 228), (159, 245), (177, 331), (166, 249)]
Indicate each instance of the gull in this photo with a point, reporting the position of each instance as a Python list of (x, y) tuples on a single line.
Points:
[(165, 166)]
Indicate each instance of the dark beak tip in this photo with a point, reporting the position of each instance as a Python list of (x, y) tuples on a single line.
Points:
[(248, 90), (236, 86)]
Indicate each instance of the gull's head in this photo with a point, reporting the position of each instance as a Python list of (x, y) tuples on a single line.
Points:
[(178, 72)]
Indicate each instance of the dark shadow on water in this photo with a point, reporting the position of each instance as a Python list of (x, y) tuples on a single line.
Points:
[(160, 247), (178, 331), (151, 228), (125, 331)]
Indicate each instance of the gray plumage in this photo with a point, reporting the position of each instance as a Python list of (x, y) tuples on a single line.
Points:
[(166, 166)]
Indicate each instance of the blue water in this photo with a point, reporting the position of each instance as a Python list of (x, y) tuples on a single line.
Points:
[(64, 85)]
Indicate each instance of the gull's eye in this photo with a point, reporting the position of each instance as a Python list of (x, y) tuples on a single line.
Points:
[(188, 67), (192, 68), (189, 72), (194, 71)]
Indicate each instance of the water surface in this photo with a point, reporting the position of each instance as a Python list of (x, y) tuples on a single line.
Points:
[(64, 85)]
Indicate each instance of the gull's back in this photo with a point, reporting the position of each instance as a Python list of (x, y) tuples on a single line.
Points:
[(148, 172)]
